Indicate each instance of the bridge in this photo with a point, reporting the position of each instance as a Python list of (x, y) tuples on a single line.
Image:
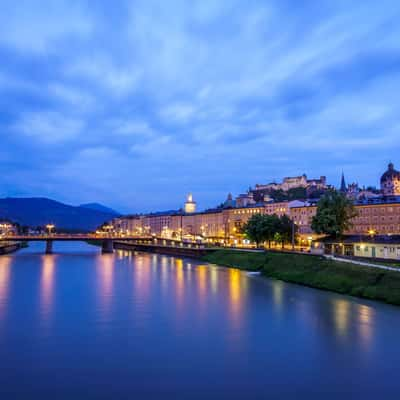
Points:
[(145, 242), (107, 241)]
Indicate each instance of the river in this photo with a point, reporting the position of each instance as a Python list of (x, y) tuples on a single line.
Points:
[(81, 325)]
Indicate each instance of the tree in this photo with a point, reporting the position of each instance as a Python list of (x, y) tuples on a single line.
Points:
[(256, 229), (285, 229), (260, 228), (273, 224), (334, 214)]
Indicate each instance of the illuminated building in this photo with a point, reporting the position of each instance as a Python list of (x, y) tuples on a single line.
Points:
[(190, 205), (390, 182), (378, 213)]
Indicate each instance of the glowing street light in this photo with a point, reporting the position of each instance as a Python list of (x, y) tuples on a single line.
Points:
[(108, 228), (50, 227), (371, 232)]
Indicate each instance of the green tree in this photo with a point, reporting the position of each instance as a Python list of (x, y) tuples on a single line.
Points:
[(255, 229), (260, 228), (285, 229), (273, 225), (334, 214)]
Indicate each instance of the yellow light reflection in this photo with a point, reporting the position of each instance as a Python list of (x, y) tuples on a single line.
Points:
[(202, 281), (5, 272), (237, 290), (47, 285), (200, 274), (234, 289), (366, 321), (141, 276), (105, 273), (277, 293), (214, 279), (180, 281), (342, 316)]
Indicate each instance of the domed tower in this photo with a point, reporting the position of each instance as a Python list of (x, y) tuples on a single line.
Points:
[(229, 201), (390, 182), (190, 205)]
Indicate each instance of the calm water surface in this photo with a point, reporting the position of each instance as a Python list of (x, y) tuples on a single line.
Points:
[(81, 325)]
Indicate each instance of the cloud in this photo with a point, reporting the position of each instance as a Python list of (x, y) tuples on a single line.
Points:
[(214, 96), (48, 127), (28, 27), (131, 128), (179, 112), (103, 72)]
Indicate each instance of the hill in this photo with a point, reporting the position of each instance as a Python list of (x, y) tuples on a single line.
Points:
[(100, 207), (35, 212)]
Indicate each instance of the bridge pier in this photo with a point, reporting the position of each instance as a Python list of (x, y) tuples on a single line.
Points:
[(49, 247), (107, 246)]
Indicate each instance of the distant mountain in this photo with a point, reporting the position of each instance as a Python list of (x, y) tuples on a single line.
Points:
[(41, 211), (100, 207)]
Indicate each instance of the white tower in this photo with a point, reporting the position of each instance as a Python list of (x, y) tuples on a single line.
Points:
[(190, 205)]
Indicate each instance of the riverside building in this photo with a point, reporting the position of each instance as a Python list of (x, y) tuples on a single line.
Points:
[(378, 214)]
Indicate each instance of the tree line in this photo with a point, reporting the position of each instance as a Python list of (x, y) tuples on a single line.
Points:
[(262, 228), (333, 218)]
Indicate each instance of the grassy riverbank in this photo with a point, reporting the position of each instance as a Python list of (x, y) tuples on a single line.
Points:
[(315, 271)]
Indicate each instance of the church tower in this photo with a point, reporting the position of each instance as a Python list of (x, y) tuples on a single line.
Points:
[(390, 182), (343, 187), (190, 205)]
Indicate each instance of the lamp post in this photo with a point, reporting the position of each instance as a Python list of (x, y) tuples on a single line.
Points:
[(50, 227), (108, 228), (293, 234)]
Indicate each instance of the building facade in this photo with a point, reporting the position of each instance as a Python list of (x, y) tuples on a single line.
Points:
[(390, 182), (376, 215)]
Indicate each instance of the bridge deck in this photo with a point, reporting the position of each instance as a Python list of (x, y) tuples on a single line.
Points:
[(81, 237)]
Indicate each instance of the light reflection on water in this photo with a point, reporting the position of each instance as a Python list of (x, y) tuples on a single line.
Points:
[(47, 279), (5, 271), (105, 264), (169, 307)]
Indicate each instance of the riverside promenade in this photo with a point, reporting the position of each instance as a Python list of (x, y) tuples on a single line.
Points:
[(362, 263)]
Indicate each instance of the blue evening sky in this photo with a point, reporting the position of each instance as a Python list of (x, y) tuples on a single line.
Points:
[(135, 103)]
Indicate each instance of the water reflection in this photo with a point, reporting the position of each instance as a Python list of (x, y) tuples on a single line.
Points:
[(201, 278), (341, 312), (134, 321), (180, 283), (164, 272), (5, 272), (47, 286), (277, 294), (366, 316), (214, 279), (237, 291), (142, 278), (353, 322), (105, 273)]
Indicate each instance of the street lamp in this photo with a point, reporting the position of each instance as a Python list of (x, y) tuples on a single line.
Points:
[(294, 223), (50, 227), (371, 232), (108, 228)]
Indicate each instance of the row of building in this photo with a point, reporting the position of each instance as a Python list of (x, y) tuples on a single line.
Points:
[(376, 215)]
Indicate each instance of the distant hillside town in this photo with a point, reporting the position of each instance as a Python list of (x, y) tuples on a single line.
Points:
[(378, 211)]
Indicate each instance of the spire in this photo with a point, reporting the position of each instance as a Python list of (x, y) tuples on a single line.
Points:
[(343, 184)]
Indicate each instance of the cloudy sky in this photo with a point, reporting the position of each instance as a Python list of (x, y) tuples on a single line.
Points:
[(135, 103)]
